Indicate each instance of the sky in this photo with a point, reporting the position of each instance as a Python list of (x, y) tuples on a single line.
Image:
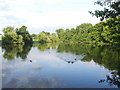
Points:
[(46, 15)]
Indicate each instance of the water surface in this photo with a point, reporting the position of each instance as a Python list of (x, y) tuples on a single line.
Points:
[(60, 66)]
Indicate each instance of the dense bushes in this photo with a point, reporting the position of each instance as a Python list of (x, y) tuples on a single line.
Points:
[(12, 35), (106, 32)]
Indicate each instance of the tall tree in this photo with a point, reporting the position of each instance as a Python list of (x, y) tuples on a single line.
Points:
[(60, 33), (24, 33), (43, 37), (10, 36), (111, 9)]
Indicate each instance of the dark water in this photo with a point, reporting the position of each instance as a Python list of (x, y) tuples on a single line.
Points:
[(60, 66)]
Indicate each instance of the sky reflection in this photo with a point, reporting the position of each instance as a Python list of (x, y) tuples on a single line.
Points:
[(48, 69)]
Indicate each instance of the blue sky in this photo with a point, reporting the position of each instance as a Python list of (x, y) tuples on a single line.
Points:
[(47, 15)]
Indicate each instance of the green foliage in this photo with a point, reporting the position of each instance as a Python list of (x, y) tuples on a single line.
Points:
[(8, 30), (34, 37), (109, 30), (11, 50), (79, 34), (24, 33), (108, 56), (83, 32), (43, 37), (106, 32), (24, 52), (16, 50), (42, 46), (60, 33), (12, 35), (54, 38), (46, 37), (112, 10)]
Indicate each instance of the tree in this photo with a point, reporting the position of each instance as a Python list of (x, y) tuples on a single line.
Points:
[(54, 37), (111, 9), (8, 30), (44, 37), (83, 31), (24, 33), (106, 32), (76, 35), (10, 36), (60, 33), (20, 35), (34, 37)]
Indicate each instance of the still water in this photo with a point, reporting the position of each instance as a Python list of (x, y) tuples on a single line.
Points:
[(60, 66)]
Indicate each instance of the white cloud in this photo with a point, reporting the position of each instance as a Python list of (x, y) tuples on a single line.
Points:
[(51, 1), (57, 18), (28, 2), (60, 18), (42, 13)]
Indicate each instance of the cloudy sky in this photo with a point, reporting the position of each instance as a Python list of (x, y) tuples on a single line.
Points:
[(47, 15)]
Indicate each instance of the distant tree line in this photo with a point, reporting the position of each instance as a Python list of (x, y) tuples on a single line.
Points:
[(105, 32), (45, 37), (22, 36)]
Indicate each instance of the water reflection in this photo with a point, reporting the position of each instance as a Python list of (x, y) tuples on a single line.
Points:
[(106, 56), (31, 82), (113, 79), (45, 46), (16, 50), (70, 58)]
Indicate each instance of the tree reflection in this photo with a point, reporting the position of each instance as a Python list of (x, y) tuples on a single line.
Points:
[(113, 79), (107, 56), (19, 50), (45, 46), (16, 50), (42, 46)]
